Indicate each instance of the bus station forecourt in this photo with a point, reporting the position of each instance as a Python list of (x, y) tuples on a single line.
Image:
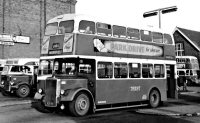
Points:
[(88, 65)]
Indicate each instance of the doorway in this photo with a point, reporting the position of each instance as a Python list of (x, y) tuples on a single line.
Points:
[(171, 82)]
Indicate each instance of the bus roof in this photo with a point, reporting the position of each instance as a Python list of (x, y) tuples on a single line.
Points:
[(23, 61), (80, 17)]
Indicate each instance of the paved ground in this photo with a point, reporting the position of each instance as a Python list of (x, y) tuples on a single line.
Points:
[(188, 104)]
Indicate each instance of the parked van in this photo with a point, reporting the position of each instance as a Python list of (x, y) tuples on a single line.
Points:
[(19, 76)]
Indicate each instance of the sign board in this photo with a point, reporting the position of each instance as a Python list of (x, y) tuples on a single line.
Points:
[(128, 48), (11, 39), (7, 43), (5, 37), (21, 39)]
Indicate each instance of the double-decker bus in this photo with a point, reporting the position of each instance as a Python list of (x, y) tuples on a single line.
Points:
[(188, 66), (90, 65)]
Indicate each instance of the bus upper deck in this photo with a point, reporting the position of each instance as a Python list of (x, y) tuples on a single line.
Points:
[(68, 35)]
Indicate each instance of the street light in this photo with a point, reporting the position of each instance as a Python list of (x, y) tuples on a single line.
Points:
[(159, 12)]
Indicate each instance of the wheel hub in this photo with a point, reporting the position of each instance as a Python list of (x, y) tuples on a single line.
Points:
[(23, 91), (82, 104)]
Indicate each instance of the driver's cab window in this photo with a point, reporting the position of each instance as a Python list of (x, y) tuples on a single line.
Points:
[(21, 69), (62, 67), (27, 70)]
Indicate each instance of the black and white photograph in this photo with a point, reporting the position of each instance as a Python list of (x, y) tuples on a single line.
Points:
[(99, 61)]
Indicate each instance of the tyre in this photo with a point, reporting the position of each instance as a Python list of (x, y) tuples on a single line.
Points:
[(39, 106), (4, 93), (80, 105), (23, 91), (154, 98)]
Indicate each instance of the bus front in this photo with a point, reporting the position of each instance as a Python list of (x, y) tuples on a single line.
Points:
[(60, 70)]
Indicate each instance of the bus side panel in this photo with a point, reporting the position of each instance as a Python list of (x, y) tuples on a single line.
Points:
[(169, 51), (120, 91), (84, 45)]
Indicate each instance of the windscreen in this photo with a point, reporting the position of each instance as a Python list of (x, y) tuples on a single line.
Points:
[(46, 67), (5, 69), (51, 28), (64, 67), (66, 26)]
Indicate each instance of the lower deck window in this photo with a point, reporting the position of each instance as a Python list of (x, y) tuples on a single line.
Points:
[(159, 71), (134, 70), (120, 70), (147, 70), (105, 70)]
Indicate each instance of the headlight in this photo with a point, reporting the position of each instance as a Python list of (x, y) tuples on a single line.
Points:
[(11, 83), (40, 91), (62, 92), (2, 82)]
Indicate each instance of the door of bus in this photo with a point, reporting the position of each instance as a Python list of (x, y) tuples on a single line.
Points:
[(171, 82)]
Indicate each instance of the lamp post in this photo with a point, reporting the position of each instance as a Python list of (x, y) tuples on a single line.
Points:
[(159, 12)]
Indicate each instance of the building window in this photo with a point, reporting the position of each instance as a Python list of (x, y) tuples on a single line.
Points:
[(179, 49)]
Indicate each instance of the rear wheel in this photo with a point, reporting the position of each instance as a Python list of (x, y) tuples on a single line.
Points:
[(23, 91), (80, 105), (154, 98)]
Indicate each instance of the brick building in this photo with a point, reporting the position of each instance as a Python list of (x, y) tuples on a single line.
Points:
[(187, 42), (27, 18)]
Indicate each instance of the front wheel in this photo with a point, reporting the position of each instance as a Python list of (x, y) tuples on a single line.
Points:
[(23, 91), (154, 98), (80, 105)]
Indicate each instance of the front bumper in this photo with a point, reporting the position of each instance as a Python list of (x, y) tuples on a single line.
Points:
[(10, 88)]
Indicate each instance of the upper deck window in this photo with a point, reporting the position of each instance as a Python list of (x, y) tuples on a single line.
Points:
[(66, 27), (146, 35), (119, 31), (157, 37), (87, 27), (51, 28), (168, 39), (104, 29), (133, 33)]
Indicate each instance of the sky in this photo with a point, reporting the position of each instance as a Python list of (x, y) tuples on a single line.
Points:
[(130, 12)]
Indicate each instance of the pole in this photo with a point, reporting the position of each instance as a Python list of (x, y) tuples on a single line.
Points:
[(3, 24), (40, 25), (159, 12), (159, 15)]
